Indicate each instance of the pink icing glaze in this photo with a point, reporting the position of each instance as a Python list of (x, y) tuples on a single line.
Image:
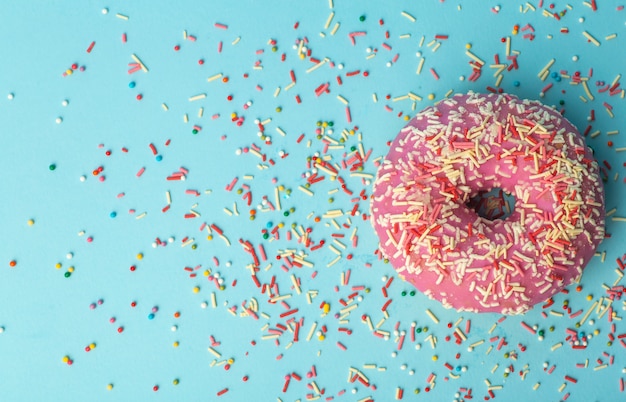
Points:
[(447, 154)]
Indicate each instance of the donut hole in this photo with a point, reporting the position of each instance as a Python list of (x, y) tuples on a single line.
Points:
[(492, 204)]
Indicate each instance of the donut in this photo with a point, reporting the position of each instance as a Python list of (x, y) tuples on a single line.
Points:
[(451, 153)]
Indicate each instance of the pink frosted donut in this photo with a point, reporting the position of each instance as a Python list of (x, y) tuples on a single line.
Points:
[(449, 153)]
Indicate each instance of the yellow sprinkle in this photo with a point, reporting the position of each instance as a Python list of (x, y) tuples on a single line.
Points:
[(420, 66), (138, 61), (197, 97), (214, 77), (408, 16), (329, 20), (545, 69), (432, 316), (590, 38), (556, 346)]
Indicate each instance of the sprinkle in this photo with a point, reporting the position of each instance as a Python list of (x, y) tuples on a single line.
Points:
[(420, 65), (556, 346), (138, 61), (408, 16), (197, 97), (432, 316), (543, 72), (590, 38)]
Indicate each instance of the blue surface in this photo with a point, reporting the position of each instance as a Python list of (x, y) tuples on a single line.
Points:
[(46, 316)]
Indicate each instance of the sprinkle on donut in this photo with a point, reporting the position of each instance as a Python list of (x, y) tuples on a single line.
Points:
[(468, 144)]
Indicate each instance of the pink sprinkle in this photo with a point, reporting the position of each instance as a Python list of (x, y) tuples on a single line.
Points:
[(528, 328), (221, 26), (434, 73)]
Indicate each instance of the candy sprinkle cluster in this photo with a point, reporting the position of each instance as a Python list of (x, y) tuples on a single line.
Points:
[(187, 190)]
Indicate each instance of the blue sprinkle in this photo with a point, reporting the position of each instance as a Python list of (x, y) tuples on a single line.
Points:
[(113, 214), (269, 225), (150, 316), (131, 84), (159, 158), (516, 83)]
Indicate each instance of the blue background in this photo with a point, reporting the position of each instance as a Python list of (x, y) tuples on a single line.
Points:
[(46, 316)]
